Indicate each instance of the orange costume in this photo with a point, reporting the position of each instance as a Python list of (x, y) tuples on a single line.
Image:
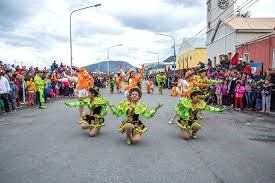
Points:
[(119, 82), (149, 87), (84, 80), (54, 77), (174, 91), (84, 83), (134, 81), (192, 84)]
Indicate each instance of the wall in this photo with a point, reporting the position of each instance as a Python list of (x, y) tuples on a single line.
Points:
[(224, 43), (215, 14), (191, 58), (243, 37), (260, 51)]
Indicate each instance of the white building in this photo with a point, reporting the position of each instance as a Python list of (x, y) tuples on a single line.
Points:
[(225, 31)]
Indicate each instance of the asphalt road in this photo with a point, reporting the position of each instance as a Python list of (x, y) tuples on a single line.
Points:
[(48, 146)]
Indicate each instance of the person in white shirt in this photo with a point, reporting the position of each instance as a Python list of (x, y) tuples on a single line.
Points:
[(4, 90)]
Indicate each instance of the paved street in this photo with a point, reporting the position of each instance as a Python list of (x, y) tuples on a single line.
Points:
[(47, 146)]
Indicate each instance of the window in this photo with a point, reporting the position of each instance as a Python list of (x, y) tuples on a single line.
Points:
[(246, 57)]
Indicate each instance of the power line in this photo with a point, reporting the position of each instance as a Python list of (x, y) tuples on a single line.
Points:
[(214, 19), (224, 19), (228, 16)]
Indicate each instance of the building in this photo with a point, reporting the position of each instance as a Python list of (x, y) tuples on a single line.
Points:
[(152, 68), (225, 31), (261, 49), (191, 58)]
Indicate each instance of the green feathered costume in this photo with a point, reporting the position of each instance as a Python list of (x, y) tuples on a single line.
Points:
[(112, 85), (98, 109), (161, 79), (40, 86), (132, 115), (187, 113)]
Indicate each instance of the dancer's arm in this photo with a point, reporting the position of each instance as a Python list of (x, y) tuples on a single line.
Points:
[(103, 112), (140, 74), (212, 109), (115, 111), (79, 103), (173, 119), (151, 113)]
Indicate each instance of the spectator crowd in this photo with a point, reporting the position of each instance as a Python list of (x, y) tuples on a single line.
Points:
[(238, 88)]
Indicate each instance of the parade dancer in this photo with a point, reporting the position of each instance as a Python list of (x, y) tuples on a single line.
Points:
[(98, 108), (187, 110), (132, 109), (149, 86), (119, 80), (133, 79), (161, 79), (202, 78), (84, 82), (111, 83), (40, 87), (174, 89)]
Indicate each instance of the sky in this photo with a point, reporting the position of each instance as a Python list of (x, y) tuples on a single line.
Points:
[(36, 32)]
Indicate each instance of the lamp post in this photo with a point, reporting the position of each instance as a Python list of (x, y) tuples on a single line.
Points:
[(71, 48), (108, 56), (155, 54), (174, 42)]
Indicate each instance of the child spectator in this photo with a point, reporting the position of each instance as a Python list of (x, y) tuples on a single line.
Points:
[(225, 93), (266, 96), (239, 93), (258, 97), (248, 92), (31, 90), (219, 88), (13, 94)]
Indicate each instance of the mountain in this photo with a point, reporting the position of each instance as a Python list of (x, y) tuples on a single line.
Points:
[(103, 66), (169, 59)]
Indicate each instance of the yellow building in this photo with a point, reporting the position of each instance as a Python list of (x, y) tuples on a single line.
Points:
[(191, 58)]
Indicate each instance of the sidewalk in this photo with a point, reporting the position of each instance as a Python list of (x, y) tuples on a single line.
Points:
[(25, 106)]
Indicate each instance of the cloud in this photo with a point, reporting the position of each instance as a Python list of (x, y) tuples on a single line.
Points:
[(185, 3), (36, 40), (157, 16), (14, 12)]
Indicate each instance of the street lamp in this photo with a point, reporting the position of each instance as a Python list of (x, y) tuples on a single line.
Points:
[(174, 42), (71, 48), (155, 54), (108, 56)]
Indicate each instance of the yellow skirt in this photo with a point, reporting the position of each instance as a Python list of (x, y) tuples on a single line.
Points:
[(93, 122), (139, 127), (187, 124)]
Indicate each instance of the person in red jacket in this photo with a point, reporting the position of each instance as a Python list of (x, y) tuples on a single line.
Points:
[(235, 59), (247, 69)]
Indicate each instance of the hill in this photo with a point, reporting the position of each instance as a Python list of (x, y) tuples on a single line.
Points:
[(103, 66)]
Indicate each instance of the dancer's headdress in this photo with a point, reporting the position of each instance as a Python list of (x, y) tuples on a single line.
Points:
[(137, 90)]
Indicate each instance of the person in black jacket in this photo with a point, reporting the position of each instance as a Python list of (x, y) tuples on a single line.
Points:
[(231, 89)]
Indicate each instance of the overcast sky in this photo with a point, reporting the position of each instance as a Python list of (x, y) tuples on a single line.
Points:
[(37, 31)]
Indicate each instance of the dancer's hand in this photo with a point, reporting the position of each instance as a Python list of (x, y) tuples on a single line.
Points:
[(159, 106), (222, 109), (170, 122)]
